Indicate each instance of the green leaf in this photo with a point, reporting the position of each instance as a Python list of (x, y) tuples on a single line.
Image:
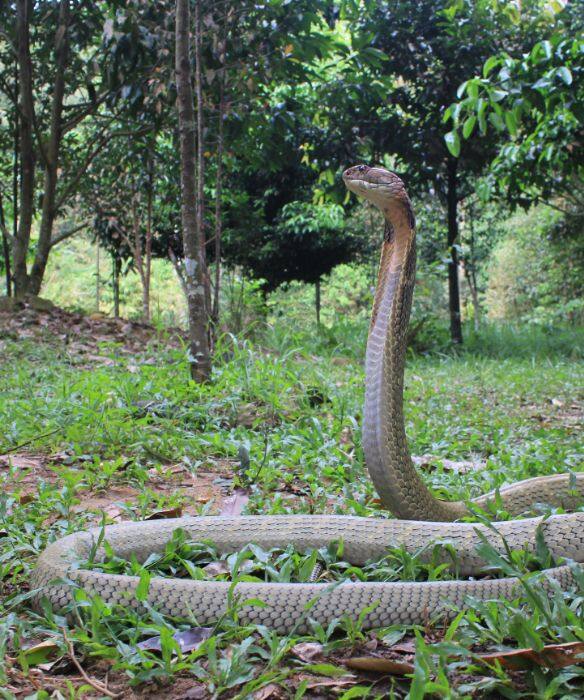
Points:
[(461, 89), (498, 95), (473, 89), (357, 691), (41, 653), (490, 63), (497, 121), (547, 48), (453, 143), (469, 126), (325, 670), (565, 74), (511, 123), (143, 586), (456, 108)]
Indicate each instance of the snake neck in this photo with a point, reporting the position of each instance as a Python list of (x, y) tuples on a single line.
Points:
[(387, 456)]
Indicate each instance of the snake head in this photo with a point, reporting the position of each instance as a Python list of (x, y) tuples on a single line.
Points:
[(381, 187)]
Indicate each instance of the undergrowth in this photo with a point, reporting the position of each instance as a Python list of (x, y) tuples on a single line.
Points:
[(281, 420)]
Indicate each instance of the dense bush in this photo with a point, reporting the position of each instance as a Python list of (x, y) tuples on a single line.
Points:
[(536, 271)]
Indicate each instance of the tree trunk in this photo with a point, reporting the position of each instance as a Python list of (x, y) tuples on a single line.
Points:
[(317, 300), (194, 271), (218, 206), (21, 241), (148, 241), (471, 281), (116, 284), (5, 247), (141, 265), (15, 173), (198, 30), (52, 155), (97, 280), (471, 273), (453, 282)]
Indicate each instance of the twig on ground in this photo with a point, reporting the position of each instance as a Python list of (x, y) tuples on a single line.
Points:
[(100, 687), (28, 442)]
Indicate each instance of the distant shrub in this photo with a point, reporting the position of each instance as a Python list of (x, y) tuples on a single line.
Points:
[(504, 340), (535, 274)]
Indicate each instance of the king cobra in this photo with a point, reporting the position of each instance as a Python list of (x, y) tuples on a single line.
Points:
[(288, 607)]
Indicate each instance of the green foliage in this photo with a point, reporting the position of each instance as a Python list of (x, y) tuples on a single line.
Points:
[(430, 48), (117, 426), (306, 242), (535, 276), (536, 98)]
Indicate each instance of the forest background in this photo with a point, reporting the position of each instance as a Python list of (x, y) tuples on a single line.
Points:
[(186, 293)]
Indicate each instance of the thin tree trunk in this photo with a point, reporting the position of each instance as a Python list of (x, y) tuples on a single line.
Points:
[(194, 269), (22, 239), (15, 168), (473, 295), (97, 279), (148, 241), (317, 300), (52, 155), (453, 282), (5, 247), (471, 273), (136, 244), (116, 284), (198, 30), (218, 206)]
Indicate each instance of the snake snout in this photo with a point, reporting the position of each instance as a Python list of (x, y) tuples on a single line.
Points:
[(356, 172)]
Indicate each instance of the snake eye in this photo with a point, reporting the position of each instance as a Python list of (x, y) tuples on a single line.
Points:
[(362, 168)]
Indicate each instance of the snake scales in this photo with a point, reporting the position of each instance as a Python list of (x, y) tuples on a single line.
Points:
[(425, 519)]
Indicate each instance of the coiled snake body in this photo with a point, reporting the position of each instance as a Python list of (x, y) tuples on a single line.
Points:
[(425, 519)]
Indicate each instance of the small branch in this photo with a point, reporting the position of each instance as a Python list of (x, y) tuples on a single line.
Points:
[(90, 157), (554, 206), (67, 234), (3, 228), (28, 442), (178, 269), (8, 39), (80, 116), (100, 687)]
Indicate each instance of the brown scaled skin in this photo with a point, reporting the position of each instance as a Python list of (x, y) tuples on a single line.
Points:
[(385, 446)]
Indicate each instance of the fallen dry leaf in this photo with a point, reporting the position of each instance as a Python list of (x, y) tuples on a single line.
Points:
[(41, 653), (21, 461), (234, 504), (379, 664), (197, 692), (216, 568), (551, 656), (324, 682), (163, 514), (308, 651), (404, 647), (188, 640), (268, 691)]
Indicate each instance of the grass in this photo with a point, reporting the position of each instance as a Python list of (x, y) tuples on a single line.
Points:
[(130, 436)]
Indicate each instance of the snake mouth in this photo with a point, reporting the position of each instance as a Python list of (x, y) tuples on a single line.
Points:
[(375, 184), (381, 187), (372, 183)]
